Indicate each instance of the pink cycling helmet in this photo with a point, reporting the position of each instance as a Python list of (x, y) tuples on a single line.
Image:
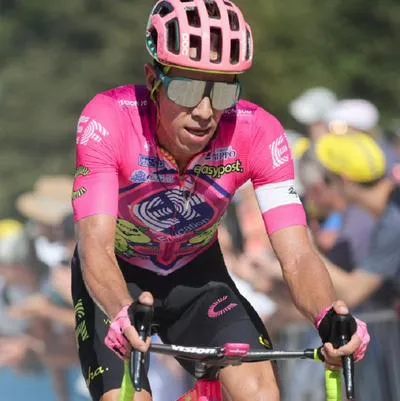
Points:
[(207, 35)]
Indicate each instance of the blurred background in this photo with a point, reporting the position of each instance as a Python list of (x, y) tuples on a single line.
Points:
[(318, 66)]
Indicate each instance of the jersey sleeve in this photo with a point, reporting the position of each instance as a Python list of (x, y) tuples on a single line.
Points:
[(272, 173), (96, 177)]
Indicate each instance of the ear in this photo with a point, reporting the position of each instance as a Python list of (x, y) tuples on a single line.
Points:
[(151, 76)]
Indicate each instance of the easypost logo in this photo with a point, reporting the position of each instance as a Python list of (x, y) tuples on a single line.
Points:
[(219, 171)]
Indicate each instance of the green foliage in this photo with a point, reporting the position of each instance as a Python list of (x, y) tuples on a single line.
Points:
[(56, 55)]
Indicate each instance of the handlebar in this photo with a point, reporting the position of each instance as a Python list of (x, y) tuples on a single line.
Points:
[(231, 354), (225, 355)]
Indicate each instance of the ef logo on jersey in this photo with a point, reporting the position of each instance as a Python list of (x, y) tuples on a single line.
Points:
[(279, 152), (171, 213)]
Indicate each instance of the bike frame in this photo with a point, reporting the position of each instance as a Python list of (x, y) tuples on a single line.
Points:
[(208, 386), (204, 390)]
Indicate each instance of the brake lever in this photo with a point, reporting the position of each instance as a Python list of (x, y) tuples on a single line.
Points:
[(141, 317), (343, 327)]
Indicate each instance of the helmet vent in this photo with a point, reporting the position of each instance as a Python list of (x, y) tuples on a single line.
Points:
[(227, 3), (193, 17), (235, 51), (212, 9), (216, 45), (195, 44), (249, 45), (173, 36), (152, 40), (233, 20), (163, 9)]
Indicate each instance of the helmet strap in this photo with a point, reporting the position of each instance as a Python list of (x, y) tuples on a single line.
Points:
[(156, 87)]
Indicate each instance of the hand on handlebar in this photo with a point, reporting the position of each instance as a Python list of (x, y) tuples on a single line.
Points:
[(131, 333), (122, 336), (356, 346)]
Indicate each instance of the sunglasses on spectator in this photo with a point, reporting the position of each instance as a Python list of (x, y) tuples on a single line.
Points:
[(189, 93)]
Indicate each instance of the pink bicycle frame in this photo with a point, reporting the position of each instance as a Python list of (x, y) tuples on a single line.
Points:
[(211, 390), (204, 390)]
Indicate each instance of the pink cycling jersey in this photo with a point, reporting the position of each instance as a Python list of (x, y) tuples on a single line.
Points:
[(166, 218)]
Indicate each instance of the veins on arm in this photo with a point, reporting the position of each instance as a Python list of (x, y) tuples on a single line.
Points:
[(101, 273), (303, 270)]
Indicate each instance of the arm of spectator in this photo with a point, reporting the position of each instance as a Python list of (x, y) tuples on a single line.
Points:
[(353, 287), (14, 350), (382, 262), (265, 265), (329, 232), (61, 282), (242, 265), (38, 306), (18, 274)]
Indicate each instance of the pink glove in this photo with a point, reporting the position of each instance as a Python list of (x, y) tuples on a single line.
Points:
[(115, 339), (361, 332)]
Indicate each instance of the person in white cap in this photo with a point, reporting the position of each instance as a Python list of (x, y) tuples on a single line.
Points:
[(362, 115), (358, 114), (310, 109)]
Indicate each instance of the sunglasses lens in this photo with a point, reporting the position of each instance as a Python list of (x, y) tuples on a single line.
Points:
[(186, 92), (189, 93), (225, 95)]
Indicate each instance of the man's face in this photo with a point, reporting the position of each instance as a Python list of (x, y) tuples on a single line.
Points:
[(317, 130), (321, 195), (336, 184), (185, 131)]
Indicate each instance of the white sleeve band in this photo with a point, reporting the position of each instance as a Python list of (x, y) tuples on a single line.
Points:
[(277, 194)]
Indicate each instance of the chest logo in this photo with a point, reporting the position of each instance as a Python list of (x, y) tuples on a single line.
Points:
[(174, 212), (219, 171)]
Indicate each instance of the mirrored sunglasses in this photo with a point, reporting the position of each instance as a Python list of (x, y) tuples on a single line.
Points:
[(188, 92)]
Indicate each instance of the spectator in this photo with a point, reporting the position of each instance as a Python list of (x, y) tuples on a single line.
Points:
[(16, 283), (362, 115), (45, 208), (346, 234), (357, 114), (310, 109), (393, 134), (355, 166), (50, 317)]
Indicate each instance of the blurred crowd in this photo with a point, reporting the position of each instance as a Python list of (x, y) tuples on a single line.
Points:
[(348, 172)]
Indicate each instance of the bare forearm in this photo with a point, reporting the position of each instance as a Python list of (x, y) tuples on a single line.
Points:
[(309, 284), (104, 280), (64, 316), (353, 288)]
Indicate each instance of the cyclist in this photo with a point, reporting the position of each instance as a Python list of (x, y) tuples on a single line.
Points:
[(157, 166)]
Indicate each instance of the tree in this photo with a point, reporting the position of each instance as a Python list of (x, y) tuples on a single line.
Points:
[(55, 56)]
